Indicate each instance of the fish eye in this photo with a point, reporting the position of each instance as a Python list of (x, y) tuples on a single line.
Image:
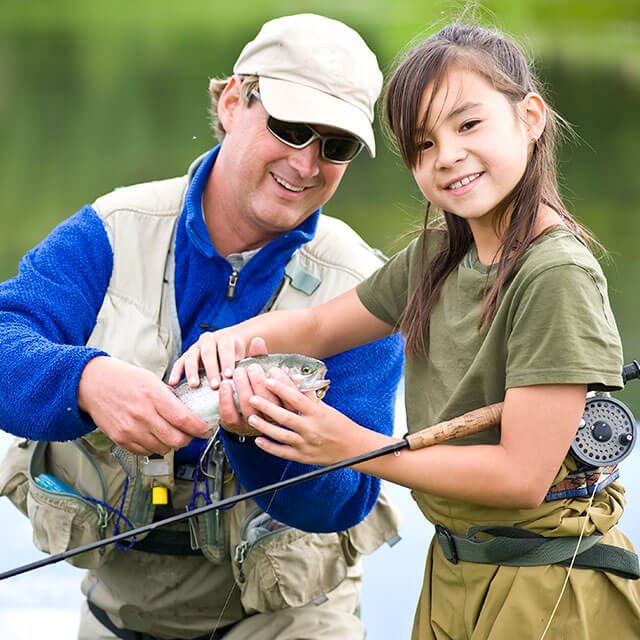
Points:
[(306, 370)]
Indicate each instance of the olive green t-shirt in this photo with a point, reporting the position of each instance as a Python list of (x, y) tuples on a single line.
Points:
[(553, 325)]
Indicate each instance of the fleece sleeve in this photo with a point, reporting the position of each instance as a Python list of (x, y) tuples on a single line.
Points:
[(47, 313), (363, 387)]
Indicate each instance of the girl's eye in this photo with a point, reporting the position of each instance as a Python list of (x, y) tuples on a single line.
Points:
[(469, 125), (426, 144)]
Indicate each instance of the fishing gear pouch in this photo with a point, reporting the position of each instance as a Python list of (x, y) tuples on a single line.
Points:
[(63, 487), (277, 566)]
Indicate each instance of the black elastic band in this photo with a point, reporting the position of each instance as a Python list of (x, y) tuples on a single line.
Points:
[(165, 542)]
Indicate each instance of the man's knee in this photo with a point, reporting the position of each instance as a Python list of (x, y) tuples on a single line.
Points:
[(336, 618)]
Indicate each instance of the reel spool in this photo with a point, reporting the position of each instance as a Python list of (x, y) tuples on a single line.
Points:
[(606, 434)]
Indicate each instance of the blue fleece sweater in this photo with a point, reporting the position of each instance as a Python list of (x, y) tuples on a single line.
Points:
[(48, 311)]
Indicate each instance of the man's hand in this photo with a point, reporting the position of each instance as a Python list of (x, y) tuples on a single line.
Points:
[(136, 409)]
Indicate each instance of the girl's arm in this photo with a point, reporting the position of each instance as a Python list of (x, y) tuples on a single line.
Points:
[(538, 425), (335, 326)]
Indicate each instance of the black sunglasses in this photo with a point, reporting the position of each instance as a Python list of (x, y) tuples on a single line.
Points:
[(336, 149)]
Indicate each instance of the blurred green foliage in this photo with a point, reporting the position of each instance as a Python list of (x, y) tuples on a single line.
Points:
[(99, 94)]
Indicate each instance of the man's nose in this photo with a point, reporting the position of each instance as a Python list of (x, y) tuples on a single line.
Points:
[(306, 161)]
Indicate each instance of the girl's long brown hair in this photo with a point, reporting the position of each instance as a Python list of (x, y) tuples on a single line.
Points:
[(501, 62)]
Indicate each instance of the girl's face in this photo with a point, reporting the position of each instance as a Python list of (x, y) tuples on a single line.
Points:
[(476, 147)]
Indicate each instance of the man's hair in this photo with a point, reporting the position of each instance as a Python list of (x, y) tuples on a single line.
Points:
[(216, 87)]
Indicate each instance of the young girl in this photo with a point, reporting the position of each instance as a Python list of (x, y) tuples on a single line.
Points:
[(499, 301)]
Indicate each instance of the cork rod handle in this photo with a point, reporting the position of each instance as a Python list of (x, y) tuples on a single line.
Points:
[(472, 422)]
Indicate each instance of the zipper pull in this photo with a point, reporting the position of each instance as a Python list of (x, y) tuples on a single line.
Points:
[(239, 554), (231, 285)]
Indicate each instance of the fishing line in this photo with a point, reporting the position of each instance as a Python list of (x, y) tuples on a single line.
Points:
[(573, 558), (234, 586)]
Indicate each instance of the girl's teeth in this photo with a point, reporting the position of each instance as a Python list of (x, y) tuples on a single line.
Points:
[(466, 180), (286, 185)]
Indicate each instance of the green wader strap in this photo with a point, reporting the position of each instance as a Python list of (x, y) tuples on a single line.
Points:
[(515, 547)]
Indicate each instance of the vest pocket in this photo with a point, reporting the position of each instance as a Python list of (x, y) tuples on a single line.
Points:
[(277, 566), (50, 483)]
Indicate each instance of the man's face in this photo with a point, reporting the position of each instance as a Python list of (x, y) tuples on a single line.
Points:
[(274, 186)]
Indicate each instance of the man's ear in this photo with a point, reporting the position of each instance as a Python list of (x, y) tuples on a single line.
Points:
[(228, 103), (535, 114)]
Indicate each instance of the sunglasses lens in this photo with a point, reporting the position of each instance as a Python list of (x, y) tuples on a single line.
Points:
[(293, 133), (341, 149), (298, 135)]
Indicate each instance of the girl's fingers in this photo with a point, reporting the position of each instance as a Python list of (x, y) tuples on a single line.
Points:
[(258, 378), (289, 394), (230, 351), (229, 416), (192, 365), (281, 376), (244, 390), (208, 357), (276, 413), (257, 347), (279, 450), (176, 372), (281, 435)]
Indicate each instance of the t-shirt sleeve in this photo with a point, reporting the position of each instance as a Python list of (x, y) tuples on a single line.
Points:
[(563, 332), (385, 292)]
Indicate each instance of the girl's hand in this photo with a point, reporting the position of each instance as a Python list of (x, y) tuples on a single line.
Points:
[(217, 352), (311, 432)]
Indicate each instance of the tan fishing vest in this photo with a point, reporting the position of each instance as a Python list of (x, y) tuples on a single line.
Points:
[(138, 323), (140, 222)]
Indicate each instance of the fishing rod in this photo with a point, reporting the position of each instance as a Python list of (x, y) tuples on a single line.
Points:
[(605, 436)]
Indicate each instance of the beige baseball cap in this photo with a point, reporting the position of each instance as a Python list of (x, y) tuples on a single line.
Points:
[(316, 70)]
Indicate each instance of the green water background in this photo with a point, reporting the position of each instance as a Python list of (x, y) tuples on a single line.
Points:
[(100, 94), (95, 95)]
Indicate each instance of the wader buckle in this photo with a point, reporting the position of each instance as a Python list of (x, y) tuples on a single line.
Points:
[(447, 544)]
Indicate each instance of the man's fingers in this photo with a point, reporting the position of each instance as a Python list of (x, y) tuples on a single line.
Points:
[(179, 418), (169, 435)]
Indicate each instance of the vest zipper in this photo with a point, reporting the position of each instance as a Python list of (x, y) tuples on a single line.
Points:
[(231, 285)]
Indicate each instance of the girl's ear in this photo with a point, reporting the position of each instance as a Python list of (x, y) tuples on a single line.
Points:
[(535, 115), (228, 103)]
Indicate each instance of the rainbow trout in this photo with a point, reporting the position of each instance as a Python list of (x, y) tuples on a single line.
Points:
[(307, 373)]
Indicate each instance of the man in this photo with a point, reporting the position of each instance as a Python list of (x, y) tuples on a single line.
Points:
[(102, 308)]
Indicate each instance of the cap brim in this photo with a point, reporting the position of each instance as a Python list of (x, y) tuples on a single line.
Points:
[(298, 103)]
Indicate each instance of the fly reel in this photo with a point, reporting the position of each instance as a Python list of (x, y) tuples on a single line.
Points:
[(606, 434)]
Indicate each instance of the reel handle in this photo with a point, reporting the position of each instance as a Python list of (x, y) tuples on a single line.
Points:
[(631, 371), (474, 421)]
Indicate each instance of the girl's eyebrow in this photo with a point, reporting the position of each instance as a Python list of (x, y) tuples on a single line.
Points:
[(466, 106)]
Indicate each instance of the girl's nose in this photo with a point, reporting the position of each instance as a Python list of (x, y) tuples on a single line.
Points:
[(448, 154)]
